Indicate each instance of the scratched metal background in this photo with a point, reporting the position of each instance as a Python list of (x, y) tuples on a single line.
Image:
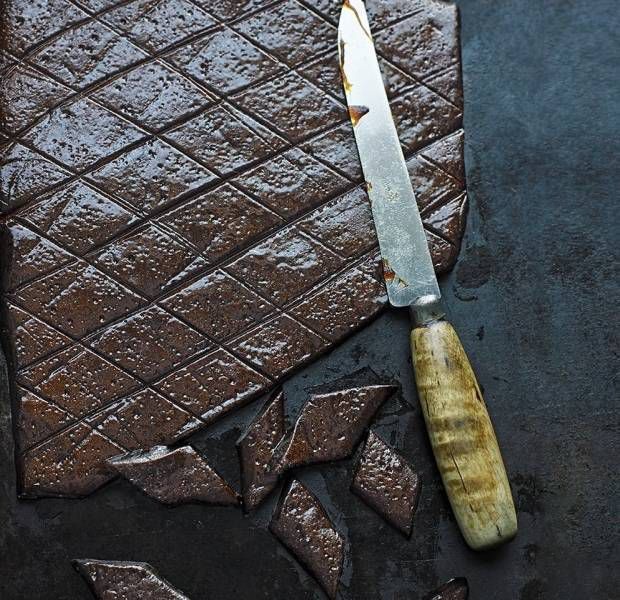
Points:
[(532, 298)]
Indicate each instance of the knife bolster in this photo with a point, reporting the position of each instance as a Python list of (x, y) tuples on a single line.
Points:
[(426, 309)]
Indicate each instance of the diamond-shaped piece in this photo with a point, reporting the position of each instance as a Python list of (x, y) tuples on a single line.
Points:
[(328, 8), (219, 306), (436, 31), (449, 218), (337, 148), (213, 385), (302, 525), (33, 255), (152, 176), (293, 106), (77, 380), (149, 343), (33, 338), (28, 94), (82, 133), (382, 13), (447, 155), (432, 185), (256, 451), (69, 464), (125, 580), (292, 182), (225, 139), (24, 175), (77, 298), (289, 31), (387, 483), (43, 19), (343, 305), (154, 95), (279, 346), (344, 224), (221, 221), (101, 53), (423, 116), (443, 252), (38, 419), (285, 266), (79, 217), (144, 420), (224, 60), (147, 259), (157, 24), (175, 477)]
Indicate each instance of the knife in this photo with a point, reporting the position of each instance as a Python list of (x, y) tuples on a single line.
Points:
[(458, 424)]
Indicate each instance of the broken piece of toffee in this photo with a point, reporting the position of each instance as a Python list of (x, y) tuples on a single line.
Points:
[(330, 425), (455, 589), (256, 449), (385, 481), (302, 525), (174, 476), (122, 580)]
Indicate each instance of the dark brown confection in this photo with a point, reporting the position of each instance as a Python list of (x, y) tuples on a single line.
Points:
[(387, 483), (455, 589), (330, 425), (174, 476), (303, 526), (121, 580), (184, 211), (256, 452)]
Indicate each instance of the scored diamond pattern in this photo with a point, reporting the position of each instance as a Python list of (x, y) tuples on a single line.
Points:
[(185, 212)]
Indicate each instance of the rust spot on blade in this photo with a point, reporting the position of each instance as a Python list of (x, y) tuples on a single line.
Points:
[(347, 4), (356, 113), (345, 80), (390, 275), (368, 186)]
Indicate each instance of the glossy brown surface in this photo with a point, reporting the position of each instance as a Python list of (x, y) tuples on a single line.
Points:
[(303, 526), (122, 580), (455, 589), (330, 425), (386, 482), (174, 476), (256, 450), (185, 212)]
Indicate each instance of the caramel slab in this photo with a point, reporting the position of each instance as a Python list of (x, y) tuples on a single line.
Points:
[(302, 525), (123, 580), (185, 231), (174, 476), (385, 481)]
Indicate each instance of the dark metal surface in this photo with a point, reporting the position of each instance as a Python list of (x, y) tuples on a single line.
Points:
[(531, 299)]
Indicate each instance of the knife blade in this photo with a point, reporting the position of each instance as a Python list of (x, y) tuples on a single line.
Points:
[(459, 427)]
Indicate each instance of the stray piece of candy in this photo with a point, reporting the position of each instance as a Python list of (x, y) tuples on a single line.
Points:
[(174, 476), (330, 425), (302, 525), (386, 482), (455, 589), (123, 580), (256, 449)]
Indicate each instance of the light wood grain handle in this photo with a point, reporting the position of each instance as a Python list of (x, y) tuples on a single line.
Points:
[(462, 437)]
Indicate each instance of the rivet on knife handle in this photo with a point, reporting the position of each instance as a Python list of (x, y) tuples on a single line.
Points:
[(458, 423)]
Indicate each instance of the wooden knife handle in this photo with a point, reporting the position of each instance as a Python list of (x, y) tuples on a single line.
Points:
[(462, 437)]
